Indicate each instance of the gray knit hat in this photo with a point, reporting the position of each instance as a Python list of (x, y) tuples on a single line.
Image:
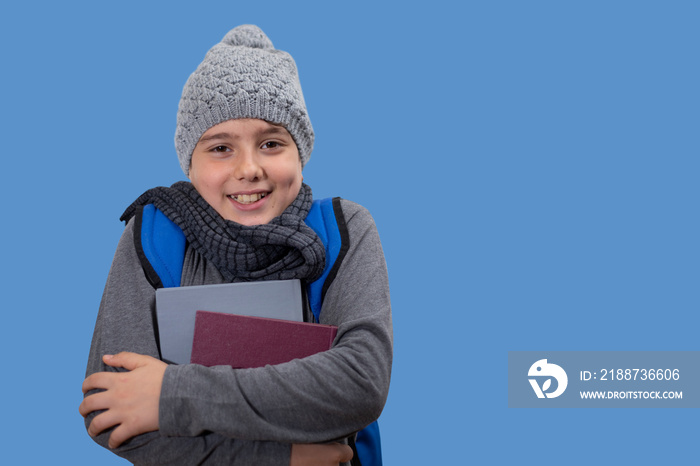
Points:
[(243, 76)]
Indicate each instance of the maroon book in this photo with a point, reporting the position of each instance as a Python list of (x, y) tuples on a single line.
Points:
[(244, 342)]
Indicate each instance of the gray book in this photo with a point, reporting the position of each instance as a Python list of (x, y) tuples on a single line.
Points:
[(176, 309)]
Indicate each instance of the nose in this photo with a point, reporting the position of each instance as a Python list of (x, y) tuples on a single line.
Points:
[(247, 167)]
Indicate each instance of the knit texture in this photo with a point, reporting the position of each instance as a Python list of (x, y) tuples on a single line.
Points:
[(243, 76), (283, 249)]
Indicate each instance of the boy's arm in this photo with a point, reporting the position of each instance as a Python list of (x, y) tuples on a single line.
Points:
[(323, 397), (320, 398), (125, 323)]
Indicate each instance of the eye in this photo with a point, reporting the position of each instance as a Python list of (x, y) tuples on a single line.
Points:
[(220, 149), (271, 145)]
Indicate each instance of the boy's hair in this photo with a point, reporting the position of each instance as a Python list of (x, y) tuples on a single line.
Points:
[(243, 76)]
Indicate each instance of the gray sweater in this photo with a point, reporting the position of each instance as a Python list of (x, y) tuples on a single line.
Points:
[(230, 416)]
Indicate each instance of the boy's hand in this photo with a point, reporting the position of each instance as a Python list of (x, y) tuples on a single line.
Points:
[(130, 399), (330, 454)]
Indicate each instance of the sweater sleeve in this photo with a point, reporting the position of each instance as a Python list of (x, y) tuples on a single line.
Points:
[(326, 396), (125, 322)]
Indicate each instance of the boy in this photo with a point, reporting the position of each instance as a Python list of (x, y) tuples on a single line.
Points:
[(243, 136)]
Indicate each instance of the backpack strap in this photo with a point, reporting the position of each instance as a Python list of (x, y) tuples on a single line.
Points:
[(160, 245), (369, 446), (326, 219)]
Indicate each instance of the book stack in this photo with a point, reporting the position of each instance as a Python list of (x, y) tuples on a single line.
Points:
[(242, 325)]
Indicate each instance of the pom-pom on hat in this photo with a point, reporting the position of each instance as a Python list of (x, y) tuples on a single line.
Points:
[(243, 76)]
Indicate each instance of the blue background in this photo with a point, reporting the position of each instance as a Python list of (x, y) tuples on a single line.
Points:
[(532, 167)]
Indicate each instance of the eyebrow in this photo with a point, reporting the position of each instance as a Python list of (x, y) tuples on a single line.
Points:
[(270, 130), (274, 129), (213, 136)]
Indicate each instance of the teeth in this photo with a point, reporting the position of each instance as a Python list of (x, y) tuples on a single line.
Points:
[(248, 198)]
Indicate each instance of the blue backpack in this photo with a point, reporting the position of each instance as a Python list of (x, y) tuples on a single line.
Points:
[(160, 244)]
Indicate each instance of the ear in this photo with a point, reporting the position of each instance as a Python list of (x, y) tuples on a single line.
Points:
[(189, 169)]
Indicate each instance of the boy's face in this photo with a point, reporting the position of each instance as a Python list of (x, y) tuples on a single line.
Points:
[(248, 170)]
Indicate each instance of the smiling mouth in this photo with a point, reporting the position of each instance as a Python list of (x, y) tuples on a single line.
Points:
[(247, 198)]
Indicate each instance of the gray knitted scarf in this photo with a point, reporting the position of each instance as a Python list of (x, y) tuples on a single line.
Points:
[(286, 248)]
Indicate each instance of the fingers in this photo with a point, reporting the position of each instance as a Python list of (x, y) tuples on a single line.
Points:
[(102, 422), (102, 380), (92, 403), (108, 419), (344, 453), (127, 360), (120, 435), (130, 398), (330, 454), (128, 425)]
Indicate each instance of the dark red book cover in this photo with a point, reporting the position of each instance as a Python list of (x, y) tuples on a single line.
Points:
[(245, 342)]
